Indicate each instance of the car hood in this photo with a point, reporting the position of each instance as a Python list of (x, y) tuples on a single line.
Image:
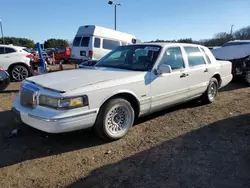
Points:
[(64, 81), (232, 52)]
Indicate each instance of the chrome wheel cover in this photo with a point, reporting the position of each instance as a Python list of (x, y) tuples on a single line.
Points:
[(118, 120), (212, 90)]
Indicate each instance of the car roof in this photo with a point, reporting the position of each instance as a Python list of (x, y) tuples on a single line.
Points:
[(163, 44), (11, 46), (235, 41)]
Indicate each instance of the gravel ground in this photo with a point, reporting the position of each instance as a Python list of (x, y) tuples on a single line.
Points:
[(191, 145)]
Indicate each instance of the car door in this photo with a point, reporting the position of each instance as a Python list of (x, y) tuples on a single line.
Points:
[(2, 58), (6, 57), (210, 67), (198, 73), (170, 88)]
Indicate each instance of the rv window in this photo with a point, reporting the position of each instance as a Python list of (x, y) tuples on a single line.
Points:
[(85, 41), (110, 44), (77, 41), (97, 43)]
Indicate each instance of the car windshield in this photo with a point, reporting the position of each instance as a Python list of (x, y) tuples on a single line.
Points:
[(131, 57)]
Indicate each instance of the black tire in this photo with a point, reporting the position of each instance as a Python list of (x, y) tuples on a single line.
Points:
[(14, 76), (247, 78), (207, 98), (101, 123), (62, 61)]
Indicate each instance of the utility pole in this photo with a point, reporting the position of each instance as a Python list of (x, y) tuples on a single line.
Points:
[(115, 4), (231, 32), (1, 25)]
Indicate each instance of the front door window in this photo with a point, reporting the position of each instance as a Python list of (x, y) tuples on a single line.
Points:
[(173, 58)]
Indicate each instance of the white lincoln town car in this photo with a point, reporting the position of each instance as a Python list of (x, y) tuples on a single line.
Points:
[(129, 82)]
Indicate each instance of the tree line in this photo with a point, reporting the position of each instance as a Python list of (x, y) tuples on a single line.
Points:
[(218, 39), (24, 42)]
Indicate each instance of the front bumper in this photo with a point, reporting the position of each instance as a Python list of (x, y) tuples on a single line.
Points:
[(42, 119)]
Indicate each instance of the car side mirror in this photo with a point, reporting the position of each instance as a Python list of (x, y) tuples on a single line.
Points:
[(164, 69), (134, 41)]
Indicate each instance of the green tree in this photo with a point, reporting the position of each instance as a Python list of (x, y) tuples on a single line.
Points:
[(218, 40), (24, 42), (56, 43), (187, 40)]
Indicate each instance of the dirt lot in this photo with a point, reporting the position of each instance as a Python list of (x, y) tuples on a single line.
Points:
[(191, 145)]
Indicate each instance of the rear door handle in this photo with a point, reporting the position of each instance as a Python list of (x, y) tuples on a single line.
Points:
[(206, 70), (184, 75)]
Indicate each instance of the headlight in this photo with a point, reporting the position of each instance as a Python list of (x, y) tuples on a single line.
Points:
[(63, 103)]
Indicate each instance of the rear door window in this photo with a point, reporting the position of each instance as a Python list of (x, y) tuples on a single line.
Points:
[(1, 50), (77, 41), (195, 57), (9, 50), (85, 42), (97, 43), (206, 56), (110, 44)]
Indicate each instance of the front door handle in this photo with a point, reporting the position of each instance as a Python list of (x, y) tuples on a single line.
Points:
[(206, 70), (183, 75)]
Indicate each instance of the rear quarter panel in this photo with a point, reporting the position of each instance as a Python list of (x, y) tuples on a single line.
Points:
[(20, 58)]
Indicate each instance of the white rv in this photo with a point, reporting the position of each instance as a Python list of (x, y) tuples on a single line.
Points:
[(93, 42)]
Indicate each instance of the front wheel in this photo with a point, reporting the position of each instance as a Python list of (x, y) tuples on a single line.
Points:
[(114, 119), (211, 92)]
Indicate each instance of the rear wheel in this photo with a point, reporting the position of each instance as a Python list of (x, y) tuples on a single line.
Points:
[(114, 119), (247, 78), (211, 92), (19, 72)]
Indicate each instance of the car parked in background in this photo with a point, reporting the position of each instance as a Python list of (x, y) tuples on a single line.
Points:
[(237, 52), (16, 61), (93, 42), (4, 80), (47, 58), (129, 82), (63, 55), (236, 43)]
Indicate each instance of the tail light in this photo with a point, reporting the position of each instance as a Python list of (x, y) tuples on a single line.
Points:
[(1, 70), (91, 53), (29, 56)]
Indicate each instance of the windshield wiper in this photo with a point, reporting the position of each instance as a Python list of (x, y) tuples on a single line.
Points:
[(116, 67)]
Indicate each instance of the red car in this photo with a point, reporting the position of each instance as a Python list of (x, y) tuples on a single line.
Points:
[(63, 55)]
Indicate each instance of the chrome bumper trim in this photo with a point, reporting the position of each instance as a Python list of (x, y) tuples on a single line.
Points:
[(58, 119)]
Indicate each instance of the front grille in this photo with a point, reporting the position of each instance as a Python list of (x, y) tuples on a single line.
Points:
[(28, 97)]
